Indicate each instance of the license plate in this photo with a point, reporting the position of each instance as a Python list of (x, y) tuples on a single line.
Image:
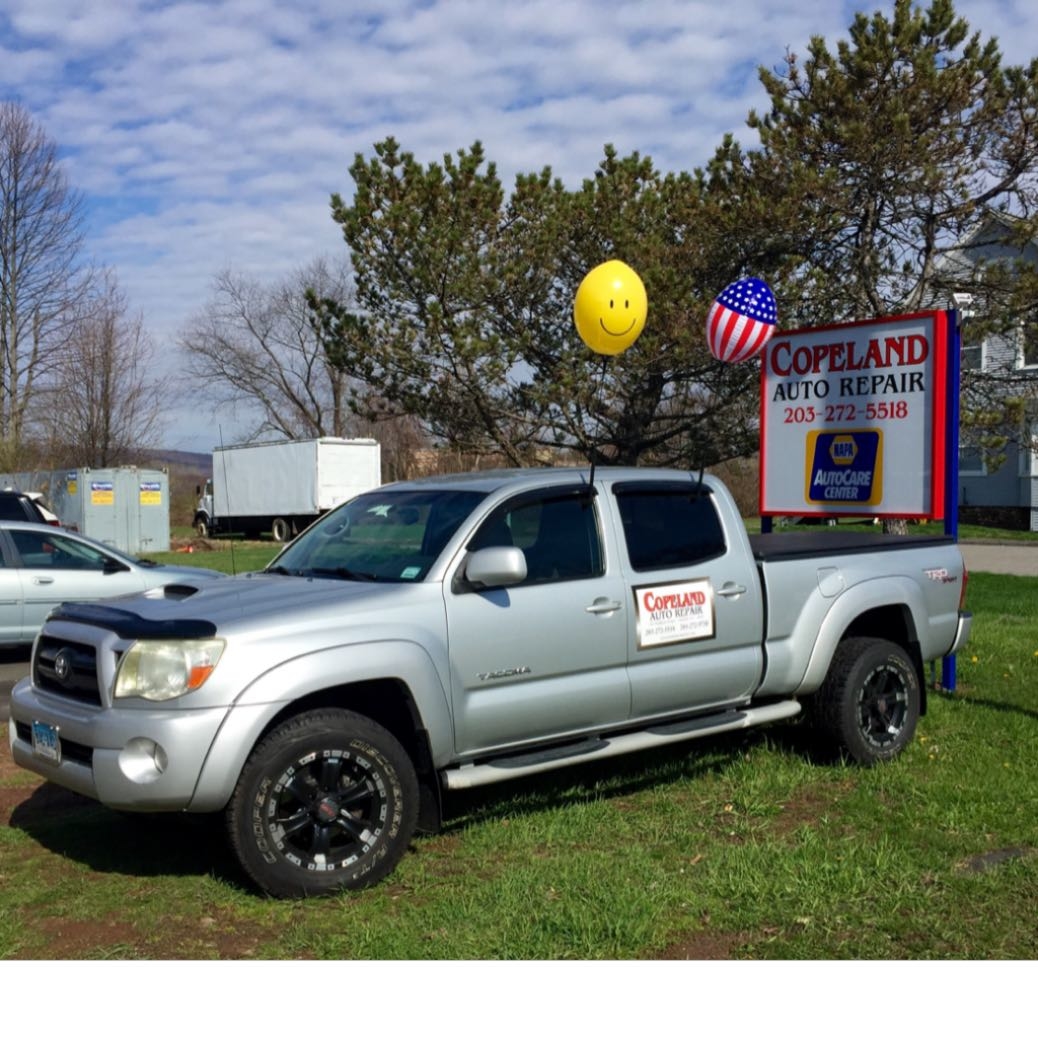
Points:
[(45, 742)]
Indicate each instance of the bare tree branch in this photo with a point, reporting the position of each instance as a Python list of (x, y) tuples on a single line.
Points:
[(103, 405), (42, 281), (253, 344)]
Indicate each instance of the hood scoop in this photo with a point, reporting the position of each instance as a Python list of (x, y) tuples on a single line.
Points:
[(173, 592)]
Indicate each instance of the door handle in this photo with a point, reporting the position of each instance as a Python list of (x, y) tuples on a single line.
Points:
[(730, 590), (602, 605), (43, 580)]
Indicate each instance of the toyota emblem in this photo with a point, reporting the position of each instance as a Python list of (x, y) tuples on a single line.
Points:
[(63, 666)]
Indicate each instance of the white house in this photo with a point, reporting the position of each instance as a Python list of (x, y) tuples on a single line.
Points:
[(1006, 494)]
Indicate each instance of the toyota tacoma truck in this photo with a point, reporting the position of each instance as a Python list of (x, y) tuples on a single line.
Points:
[(457, 631)]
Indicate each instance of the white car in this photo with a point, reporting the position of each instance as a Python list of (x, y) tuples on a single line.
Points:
[(42, 566)]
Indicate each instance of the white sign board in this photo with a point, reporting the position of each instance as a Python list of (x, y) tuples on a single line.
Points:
[(853, 419)]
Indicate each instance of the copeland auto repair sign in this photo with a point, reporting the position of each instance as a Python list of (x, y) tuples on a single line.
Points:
[(669, 613), (853, 419)]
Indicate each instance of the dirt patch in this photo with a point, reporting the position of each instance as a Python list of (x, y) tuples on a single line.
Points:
[(84, 938), (189, 545), (48, 797), (215, 935), (17, 784), (704, 946), (811, 804)]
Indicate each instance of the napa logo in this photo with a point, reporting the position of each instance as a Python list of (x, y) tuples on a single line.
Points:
[(844, 468), (843, 450)]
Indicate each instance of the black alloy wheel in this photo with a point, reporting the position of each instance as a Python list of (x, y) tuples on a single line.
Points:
[(869, 703), (328, 801)]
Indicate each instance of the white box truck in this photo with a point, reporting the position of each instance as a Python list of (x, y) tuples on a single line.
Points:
[(283, 487)]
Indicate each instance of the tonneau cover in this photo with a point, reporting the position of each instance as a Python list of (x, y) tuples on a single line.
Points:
[(772, 547)]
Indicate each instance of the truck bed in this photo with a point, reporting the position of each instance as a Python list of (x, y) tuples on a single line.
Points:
[(774, 547)]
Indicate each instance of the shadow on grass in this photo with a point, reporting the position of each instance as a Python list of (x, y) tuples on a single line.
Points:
[(623, 776), (157, 845), (996, 705), (127, 844)]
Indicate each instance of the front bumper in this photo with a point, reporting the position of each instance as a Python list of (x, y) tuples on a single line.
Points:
[(132, 759)]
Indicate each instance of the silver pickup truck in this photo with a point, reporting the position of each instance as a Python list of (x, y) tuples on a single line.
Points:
[(457, 631)]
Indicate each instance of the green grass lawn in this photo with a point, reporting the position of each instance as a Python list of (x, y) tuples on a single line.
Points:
[(739, 847), (226, 554), (227, 557)]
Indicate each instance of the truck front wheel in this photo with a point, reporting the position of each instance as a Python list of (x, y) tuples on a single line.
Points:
[(868, 707), (327, 801), (202, 526)]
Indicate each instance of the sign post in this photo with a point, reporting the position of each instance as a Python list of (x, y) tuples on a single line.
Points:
[(951, 464)]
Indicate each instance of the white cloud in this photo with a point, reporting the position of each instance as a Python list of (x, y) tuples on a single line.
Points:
[(211, 134)]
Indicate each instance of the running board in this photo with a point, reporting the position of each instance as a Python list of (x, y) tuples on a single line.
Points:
[(600, 747)]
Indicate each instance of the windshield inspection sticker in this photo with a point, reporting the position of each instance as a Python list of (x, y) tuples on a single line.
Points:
[(669, 613)]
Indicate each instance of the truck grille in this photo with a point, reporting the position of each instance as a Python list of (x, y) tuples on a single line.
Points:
[(67, 669)]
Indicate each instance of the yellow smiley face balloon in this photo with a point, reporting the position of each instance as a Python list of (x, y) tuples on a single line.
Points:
[(610, 307)]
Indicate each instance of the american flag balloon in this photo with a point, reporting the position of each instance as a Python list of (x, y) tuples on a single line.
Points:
[(741, 320)]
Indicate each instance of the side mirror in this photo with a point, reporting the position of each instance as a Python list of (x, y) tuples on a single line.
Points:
[(495, 567)]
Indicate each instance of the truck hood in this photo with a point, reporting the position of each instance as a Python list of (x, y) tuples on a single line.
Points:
[(168, 573), (202, 609)]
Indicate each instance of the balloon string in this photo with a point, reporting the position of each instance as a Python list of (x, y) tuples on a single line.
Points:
[(598, 407)]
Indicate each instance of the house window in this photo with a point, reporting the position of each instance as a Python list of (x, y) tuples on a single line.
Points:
[(972, 350), (971, 461), (1029, 350)]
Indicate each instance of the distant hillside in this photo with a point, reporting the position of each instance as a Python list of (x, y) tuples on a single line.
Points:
[(193, 460)]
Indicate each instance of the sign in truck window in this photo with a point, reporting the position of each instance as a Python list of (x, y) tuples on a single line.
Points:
[(853, 419), (679, 612)]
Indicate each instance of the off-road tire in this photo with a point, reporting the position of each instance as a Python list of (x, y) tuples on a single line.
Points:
[(327, 801), (868, 706)]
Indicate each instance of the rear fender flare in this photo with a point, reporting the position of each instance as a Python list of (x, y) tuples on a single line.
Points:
[(896, 592)]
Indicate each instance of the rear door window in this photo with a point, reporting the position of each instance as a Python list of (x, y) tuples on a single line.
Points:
[(667, 525)]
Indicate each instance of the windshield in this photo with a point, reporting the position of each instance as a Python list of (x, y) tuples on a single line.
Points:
[(386, 535)]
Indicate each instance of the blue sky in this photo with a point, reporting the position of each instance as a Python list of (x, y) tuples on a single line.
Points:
[(210, 135)]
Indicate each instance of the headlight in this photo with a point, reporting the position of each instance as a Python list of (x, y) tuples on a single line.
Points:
[(158, 670)]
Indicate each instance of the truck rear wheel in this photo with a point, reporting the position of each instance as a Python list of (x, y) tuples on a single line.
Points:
[(869, 704), (280, 530), (328, 801)]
